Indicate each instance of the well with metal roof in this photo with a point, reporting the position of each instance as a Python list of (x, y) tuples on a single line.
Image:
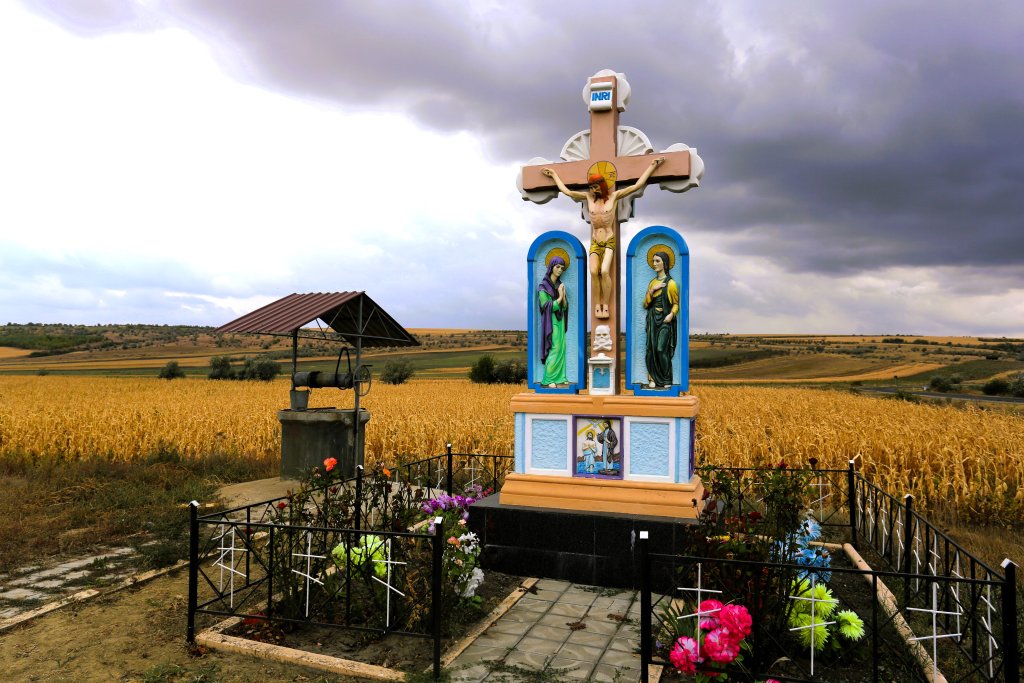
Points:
[(309, 436)]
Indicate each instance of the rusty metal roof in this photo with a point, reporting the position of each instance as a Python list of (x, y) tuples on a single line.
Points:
[(353, 315)]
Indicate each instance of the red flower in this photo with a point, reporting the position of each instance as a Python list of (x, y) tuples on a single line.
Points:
[(721, 646), (257, 618), (282, 505), (737, 619), (708, 612), (781, 465), (330, 463), (684, 655)]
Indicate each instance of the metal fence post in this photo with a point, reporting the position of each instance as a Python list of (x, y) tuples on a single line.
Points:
[(193, 570), (448, 448), (359, 496), (908, 501), (436, 598), (1011, 659), (270, 570), (851, 487), (645, 606)]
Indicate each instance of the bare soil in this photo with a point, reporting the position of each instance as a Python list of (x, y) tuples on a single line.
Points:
[(137, 634), (395, 652)]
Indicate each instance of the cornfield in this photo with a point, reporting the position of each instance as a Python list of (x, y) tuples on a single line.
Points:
[(941, 454)]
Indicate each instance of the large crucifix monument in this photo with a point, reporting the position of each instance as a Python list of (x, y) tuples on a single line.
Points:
[(619, 156), (581, 442)]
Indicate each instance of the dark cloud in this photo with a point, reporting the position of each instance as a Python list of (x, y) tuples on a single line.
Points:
[(838, 138)]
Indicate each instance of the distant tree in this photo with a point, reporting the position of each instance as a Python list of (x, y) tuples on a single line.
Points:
[(943, 383), (1017, 386), (996, 387), (482, 371), (220, 368), (510, 372), (260, 368), (171, 371), (397, 371)]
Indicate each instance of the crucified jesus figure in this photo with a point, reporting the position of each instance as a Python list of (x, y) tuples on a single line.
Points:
[(602, 203)]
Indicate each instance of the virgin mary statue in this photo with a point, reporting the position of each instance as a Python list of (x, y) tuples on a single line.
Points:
[(554, 317)]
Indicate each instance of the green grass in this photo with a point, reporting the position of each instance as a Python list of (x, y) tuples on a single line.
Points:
[(109, 502)]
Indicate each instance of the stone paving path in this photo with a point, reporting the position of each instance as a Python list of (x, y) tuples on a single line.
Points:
[(567, 631), (27, 588)]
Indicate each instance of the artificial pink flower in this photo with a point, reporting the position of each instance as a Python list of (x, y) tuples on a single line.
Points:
[(737, 619), (708, 614), (684, 655), (721, 646)]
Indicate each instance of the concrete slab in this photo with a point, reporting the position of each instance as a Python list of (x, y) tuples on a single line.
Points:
[(249, 492), (21, 594)]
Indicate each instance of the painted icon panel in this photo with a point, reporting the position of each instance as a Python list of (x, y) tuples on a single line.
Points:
[(598, 447)]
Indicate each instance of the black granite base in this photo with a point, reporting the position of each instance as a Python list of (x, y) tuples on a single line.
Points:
[(594, 548)]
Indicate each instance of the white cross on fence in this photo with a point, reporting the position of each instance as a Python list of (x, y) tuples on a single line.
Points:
[(917, 553), (473, 469), (389, 563), (309, 566), (700, 591), (986, 621), (900, 532), (821, 484), (229, 552), (883, 517), (934, 637), (869, 526), (814, 624)]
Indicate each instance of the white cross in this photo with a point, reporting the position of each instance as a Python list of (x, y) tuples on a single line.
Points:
[(814, 602), (986, 621), (226, 551), (934, 637), (699, 590), (883, 531), (899, 540), (472, 471), (388, 562), (869, 528), (820, 485), (954, 588), (917, 553), (309, 566)]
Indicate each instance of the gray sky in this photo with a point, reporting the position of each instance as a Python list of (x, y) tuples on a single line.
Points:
[(186, 162)]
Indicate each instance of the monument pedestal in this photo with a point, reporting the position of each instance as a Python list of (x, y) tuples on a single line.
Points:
[(565, 459), (592, 548), (680, 501)]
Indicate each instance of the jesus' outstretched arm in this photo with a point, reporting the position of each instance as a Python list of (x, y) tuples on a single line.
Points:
[(641, 181), (573, 194)]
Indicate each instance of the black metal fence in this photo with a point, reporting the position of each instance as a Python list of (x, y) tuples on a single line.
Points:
[(453, 472), (962, 612), (365, 571)]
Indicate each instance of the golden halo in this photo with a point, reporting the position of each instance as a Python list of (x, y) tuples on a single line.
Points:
[(661, 247), (607, 170), (557, 251)]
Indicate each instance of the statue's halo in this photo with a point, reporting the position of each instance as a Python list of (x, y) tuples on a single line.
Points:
[(665, 248), (557, 251)]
